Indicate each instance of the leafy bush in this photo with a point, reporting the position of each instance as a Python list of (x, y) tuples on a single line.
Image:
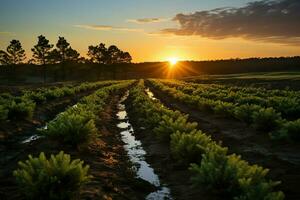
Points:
[(37, 97), (169, 125), (233, 177), (3, 113), (289, 130), (266, 119), (21, 108), (57, 178), (244, 112), (224, 108), (72, 128), (188, 147)]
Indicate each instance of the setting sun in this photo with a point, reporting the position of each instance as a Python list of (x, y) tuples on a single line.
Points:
[(173, 61)]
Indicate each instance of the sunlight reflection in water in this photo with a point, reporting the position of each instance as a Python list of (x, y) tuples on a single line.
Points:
[(137, 154)]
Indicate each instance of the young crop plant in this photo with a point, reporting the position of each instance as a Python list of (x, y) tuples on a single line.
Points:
[(234, 178), (188, 147), (73, 128), (56, 178), (224, 108), (169, 125), (21, 108), (3, 113), (289, 130), (266, 119), (37, 97), (244, 112)]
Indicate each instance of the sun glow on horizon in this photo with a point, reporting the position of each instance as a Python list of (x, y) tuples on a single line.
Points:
[(173, 61)]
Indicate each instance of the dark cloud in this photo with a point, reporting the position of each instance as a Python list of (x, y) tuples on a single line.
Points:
[(272, 21)]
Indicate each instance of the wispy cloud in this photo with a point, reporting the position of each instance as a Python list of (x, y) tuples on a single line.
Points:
[(274, 21), (147, 20), (107, 28), (7, 33)]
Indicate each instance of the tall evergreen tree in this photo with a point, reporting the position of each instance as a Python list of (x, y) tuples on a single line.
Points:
[(14, 54), (42, 50)]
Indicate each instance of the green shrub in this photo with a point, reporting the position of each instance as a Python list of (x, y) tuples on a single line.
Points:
[(37, 97), (244, 112), (213, 172), (223, 108), (266, 119), (233, 177), (71, 128), (289, 130), (21, 108), (57, 178), (53, 93), (188, 147), (3, 113), (168, 126)]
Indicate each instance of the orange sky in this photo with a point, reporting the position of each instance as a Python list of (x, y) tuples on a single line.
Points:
[(136, 26)]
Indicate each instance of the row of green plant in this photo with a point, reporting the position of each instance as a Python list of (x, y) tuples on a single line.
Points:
[(59, 177), (263, 119), (257, 91), (212, 166), (78, 123), (23, 106), (286, 102)]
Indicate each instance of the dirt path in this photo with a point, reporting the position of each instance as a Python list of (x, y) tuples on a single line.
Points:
[(109, 164), (283, 160)]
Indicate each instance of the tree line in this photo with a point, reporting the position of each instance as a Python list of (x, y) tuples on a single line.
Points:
[(45, 53)]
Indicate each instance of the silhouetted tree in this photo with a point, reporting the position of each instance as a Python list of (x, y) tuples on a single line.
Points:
[(98, 53), (42, 50), (84, 60), (110, 55), (62, 46), (4, 58), (15, 54), (63, 52), (125, 57), (117, 56), (71, 55), (54, 57)]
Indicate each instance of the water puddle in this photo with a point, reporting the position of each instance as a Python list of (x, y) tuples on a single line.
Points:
[(150, 94), (30, 139), (33, 137), (137, 154)]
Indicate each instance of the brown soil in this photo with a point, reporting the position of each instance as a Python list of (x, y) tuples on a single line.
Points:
[(109, 165), (283, 160), (175, 176)]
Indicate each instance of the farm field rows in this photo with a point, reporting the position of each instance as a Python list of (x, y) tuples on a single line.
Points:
[(150, 139)]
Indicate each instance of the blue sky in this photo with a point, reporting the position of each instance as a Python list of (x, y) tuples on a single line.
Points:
[(26, 19)]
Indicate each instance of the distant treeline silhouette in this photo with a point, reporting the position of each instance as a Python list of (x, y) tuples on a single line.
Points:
[(63, 63), (43, 53), (68, 71)]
